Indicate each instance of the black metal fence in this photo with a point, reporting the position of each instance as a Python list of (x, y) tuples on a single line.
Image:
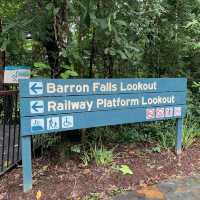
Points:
[(9, 130)]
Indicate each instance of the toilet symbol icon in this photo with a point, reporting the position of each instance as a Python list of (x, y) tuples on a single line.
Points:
[(52, 123)]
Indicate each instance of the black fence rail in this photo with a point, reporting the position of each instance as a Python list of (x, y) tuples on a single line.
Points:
[(9, 130)]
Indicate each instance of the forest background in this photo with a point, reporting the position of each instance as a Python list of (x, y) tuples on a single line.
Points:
[(109, 39)]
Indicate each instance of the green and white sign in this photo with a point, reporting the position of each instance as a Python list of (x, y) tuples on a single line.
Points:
[(12, 74)]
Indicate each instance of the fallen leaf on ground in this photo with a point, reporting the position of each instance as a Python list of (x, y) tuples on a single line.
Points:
[(151, 193), (86, 171), (38, 195), (2, 196)]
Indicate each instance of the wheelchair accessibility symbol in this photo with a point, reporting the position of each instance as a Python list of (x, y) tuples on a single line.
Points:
[(67, 121)]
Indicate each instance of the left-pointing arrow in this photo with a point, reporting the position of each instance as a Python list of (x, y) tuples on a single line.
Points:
[(37, 107), (36, 88)]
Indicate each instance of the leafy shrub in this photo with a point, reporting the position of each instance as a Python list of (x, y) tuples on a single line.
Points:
[(167, 139), (120, 134), (44, 70), (46, 140), (100, 155), (124, 169), (190, 132), (193, 104)]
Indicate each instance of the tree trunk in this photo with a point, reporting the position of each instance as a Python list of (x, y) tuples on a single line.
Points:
[(2, 60), (92, 55), (110, 67), (50, 44), (53, 56), (2, 66), (104, 66)]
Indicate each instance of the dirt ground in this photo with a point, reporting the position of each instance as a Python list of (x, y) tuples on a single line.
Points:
[(71, 180)]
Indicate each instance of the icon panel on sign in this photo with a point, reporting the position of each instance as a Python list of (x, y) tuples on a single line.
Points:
[(150, 113), (67, 121), (53, 123), (169, 112), (160, 113), (37, 125), (37, 107), (177, 111), (36, 88)]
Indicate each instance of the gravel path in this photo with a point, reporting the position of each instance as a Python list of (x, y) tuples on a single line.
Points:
[(187, 188)]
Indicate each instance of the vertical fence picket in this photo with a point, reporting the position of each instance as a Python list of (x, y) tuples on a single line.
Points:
[(9, 130)]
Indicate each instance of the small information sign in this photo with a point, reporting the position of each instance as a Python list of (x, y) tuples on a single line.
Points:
[(12, 74)]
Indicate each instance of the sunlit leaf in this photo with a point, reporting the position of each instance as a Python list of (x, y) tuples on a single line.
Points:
[(38, 195)]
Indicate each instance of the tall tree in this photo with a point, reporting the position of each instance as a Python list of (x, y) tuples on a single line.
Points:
[(2, 57)]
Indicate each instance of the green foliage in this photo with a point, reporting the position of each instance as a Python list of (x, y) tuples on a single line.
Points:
[(124, 169), (120, 134), (46, 141), (161, 133), (41, 69), (99, 154), (102, 156), (86, 158), (155, 149), (167, 140), (191, 131), (115, 38), (76, 149), (44, 70), (196, 84), (93, 196), (69, 72)]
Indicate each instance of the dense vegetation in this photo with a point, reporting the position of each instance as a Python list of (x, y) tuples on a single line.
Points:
[(115, 38)]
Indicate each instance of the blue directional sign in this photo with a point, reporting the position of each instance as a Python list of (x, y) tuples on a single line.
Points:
[(69, 87), (49, 106), (71, 104)]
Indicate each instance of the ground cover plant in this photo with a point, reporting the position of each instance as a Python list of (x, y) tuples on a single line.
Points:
[(132, 167)]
